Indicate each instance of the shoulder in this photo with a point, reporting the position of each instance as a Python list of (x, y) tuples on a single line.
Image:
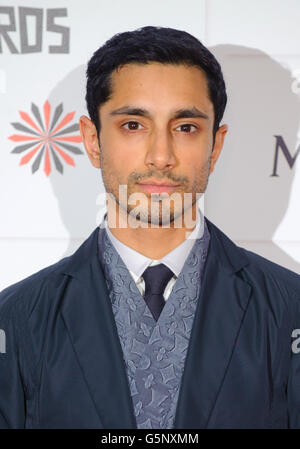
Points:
[(24, 294), (268, 266), (281, 275), (260, 271), (45, 287)]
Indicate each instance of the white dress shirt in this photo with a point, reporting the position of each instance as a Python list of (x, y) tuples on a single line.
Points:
[(174, 260)]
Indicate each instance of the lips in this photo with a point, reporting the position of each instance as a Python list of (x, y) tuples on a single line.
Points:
[(157, 187)]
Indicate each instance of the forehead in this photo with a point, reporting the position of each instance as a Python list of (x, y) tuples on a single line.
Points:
[(160, 83)]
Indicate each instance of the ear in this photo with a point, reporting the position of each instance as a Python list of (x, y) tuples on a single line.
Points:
[(89, 137), (218, 145)]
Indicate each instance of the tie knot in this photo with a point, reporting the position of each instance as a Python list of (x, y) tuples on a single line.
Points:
[(156, 279)]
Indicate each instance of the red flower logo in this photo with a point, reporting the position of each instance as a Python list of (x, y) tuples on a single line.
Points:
[(44, 138)]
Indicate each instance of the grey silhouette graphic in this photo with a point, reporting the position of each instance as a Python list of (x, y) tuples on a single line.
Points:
[(242, 197), (78, 188)]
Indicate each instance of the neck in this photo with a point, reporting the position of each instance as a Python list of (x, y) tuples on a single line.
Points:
[(152, 242)]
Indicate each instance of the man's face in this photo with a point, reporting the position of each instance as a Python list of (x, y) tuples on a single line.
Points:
[(157, 128)]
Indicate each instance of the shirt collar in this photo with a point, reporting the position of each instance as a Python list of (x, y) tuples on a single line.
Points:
[(175, 259)]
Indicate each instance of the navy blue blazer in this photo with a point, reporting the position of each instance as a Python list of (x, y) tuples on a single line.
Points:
[(63, 364)]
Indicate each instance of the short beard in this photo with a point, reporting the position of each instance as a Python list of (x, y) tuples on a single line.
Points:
[(199, 187)]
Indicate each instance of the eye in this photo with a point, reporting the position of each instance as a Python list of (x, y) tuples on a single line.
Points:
[(132, 125), (187, 128)]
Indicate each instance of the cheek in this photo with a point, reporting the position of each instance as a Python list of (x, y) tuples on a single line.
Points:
[(193, 160), (118, 164), (121, 151)]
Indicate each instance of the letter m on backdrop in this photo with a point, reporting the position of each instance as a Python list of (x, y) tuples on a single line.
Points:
[(280, 144)]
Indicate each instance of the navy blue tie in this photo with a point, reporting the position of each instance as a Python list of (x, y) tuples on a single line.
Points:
[(156, 279)]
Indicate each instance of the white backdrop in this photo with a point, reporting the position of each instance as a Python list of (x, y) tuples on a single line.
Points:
[(49, 205)]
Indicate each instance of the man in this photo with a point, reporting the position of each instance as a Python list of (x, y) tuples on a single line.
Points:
[(155, 321)]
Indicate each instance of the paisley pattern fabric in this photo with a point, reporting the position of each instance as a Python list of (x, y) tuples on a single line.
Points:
[(154, 351)]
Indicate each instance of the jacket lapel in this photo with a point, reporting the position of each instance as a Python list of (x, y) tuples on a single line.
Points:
[(223, 300), (88, 316)]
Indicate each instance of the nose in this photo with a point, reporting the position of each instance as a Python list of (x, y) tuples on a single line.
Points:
[(160, 150)]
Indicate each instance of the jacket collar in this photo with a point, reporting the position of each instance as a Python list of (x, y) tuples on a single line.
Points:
[(230, 257)]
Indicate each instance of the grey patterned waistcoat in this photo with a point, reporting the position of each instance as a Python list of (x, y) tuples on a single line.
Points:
[(154, 351)]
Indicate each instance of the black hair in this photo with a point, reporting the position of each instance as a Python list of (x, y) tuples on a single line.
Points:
[(152, 44)]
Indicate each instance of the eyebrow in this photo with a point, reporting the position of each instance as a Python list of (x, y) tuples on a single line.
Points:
[(180, 113)]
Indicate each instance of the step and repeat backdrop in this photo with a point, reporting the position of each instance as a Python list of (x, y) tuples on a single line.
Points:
[(51, 197)]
